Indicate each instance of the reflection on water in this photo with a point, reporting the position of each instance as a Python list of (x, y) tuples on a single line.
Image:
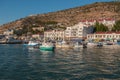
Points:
[(21, 63)]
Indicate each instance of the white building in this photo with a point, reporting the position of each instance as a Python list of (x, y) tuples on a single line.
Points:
[(54, 35), (36, 36), (38, 28), (78, 31), (108, 22), (8, 32), (104, 35)]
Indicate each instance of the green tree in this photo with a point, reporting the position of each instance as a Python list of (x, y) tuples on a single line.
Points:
[(100, 27), (116, 26)]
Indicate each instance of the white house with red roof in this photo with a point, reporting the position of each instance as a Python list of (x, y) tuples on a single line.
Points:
[(106, 21)]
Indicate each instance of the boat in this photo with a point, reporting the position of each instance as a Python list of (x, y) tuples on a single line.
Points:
[(32, 43), (99, 44), (2, 41), (111, 45), (91, 44), (11, 40), (78, 45), (47, 47), (64, 45)]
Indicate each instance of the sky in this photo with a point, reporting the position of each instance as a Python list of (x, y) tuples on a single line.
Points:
[(11, 10)]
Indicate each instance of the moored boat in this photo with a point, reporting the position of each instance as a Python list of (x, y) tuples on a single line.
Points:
[(47, 47), (78, 45), (13, 41), (64, 45), (100, 44), (32, 43), (111, 45), (91, 44)]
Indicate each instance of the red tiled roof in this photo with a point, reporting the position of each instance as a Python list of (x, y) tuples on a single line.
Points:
[(100, 19), (55, 31), (109, 19), (83, 20), (91, 20), (107, 32), (49, 31)]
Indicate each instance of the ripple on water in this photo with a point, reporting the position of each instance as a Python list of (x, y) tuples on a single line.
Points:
[(18, 62)]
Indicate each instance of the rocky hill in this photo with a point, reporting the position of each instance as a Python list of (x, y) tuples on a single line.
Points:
[(67, 17)]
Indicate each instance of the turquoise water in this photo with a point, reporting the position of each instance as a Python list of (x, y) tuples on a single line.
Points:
[(18, 62)]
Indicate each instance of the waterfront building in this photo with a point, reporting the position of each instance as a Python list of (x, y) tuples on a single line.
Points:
[(11, 36), (104, 35), (23, 37), (78, 31), (8, 32), (2, 36), (54, 35), (37, 36)]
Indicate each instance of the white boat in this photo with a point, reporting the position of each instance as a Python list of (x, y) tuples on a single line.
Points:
[(32, 43), (91, 44), (111, 45), (63, 44), (77, 45)]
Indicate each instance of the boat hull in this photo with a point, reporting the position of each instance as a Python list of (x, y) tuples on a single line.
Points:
[(47, 48), (32, 44)]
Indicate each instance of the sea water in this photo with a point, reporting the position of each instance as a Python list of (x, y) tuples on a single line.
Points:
[(18, 62)]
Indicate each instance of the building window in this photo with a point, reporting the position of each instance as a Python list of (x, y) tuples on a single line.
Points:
[(113, 36), (80, 35), (103, 36), (116, 36), (96, 36)]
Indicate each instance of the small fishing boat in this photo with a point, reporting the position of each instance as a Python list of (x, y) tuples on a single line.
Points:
[(47, 47)]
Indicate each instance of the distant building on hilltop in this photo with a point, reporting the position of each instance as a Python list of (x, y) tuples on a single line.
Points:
[(107, 21)]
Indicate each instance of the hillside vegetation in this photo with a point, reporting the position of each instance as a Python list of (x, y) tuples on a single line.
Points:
[(68, 17)]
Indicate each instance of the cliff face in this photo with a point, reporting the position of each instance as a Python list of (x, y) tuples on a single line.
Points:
[(69, 16)]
